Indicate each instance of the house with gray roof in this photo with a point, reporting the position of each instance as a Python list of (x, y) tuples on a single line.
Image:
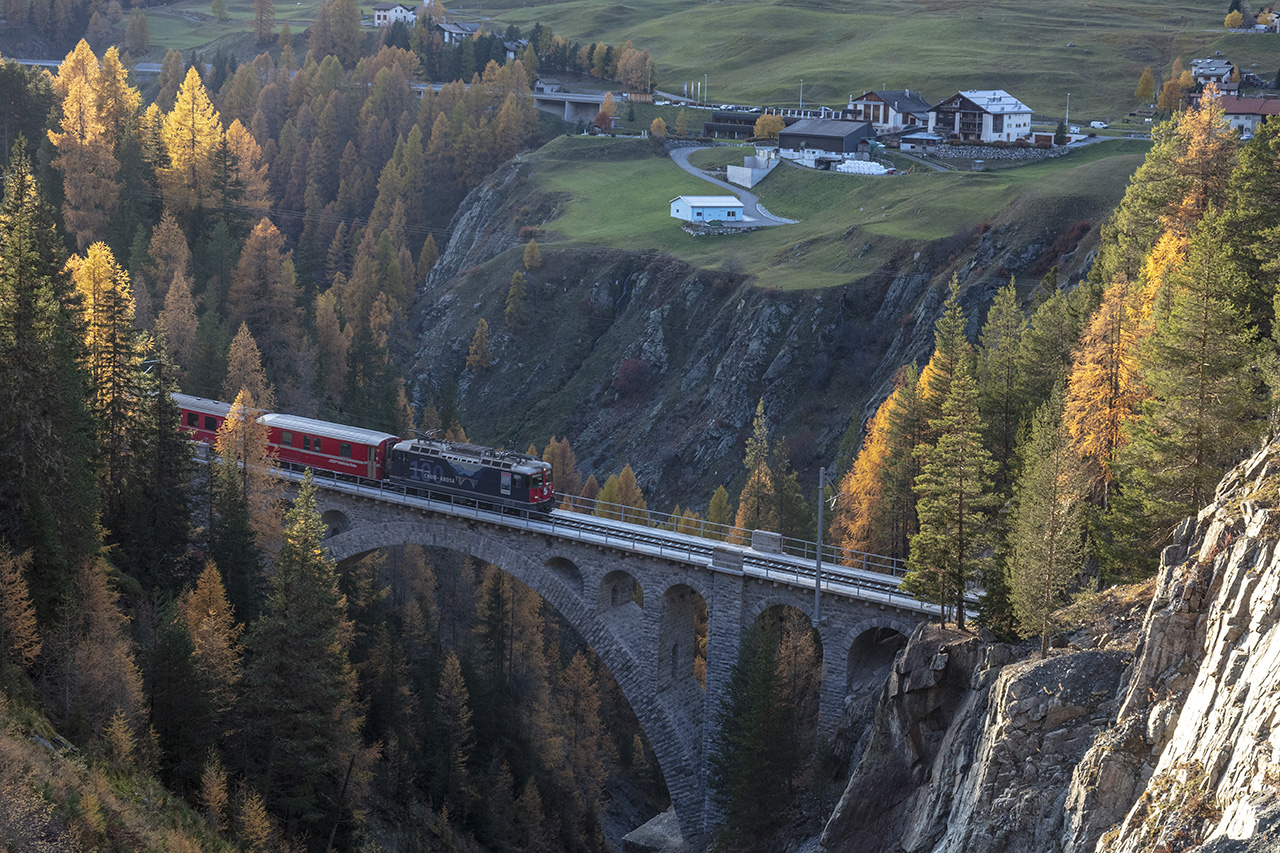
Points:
[(707, 208), (888, 111), (1212, 70), (986, 115), (827, 140)]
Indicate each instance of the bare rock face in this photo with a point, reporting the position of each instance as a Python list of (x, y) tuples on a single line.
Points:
[(1169, 741), (1206, 688)]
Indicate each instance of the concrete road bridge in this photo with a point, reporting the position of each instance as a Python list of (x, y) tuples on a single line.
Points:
[(633, 592)]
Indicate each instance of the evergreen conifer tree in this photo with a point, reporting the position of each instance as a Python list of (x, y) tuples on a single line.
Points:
[(300, 719), (1048, 522), (48, 496), (954, 504)]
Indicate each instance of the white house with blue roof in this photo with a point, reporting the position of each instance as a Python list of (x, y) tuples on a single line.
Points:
[(707, 208)]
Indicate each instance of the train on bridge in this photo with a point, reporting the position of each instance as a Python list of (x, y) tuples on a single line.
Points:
[(422, 466)]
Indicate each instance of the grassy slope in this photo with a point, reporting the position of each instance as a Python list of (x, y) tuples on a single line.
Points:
[(758, 50), (616, 193)]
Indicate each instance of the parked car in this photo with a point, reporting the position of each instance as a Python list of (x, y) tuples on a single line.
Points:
[(1098, 124)]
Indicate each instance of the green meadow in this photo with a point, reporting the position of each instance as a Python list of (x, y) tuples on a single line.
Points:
[(758, 51), (616, 193)]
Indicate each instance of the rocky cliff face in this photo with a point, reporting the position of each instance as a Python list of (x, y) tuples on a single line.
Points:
[(1154, 731), (639, 357)]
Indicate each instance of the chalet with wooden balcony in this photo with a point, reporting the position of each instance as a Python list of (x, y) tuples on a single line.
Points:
[(988, 115), (888, 111)]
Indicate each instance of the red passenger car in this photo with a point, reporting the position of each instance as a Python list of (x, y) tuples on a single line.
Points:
[(201, 417), (305, 442)]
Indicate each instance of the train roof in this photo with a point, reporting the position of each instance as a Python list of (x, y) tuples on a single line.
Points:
[(461, 451), (324, 429), (201, 404)]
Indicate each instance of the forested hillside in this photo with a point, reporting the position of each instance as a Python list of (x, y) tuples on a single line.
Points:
[(259, 233), (1103, 414), (177, 621)]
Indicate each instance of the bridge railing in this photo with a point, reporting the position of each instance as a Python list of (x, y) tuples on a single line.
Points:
[(850, 573), (704, 529)]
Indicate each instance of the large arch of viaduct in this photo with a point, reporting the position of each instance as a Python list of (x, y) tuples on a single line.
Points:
[(648, 645)]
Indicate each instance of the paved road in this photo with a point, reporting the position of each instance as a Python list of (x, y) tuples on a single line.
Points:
[(752, 212)]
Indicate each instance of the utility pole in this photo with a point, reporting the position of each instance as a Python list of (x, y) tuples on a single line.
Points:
[(817, 567), (801, 93)]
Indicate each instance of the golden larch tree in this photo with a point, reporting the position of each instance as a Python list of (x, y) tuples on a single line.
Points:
[(1105, 388), (480, 356), (112, 354), (85, 152), (858, 524), (245, 371), (192, 135), (242, 448)]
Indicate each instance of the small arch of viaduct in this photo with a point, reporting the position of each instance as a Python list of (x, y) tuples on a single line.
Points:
[(636, 611)]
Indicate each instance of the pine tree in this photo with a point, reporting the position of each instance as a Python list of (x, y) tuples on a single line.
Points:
[(300, 719), (795, 518), (514, 314), (153, 530), (48, 498), (1046, 347), (564, 469), (588, 750), (753, 759), (756, 453), (85, 155), (181, 707), (1206, 404), (998, 398), (264, 298), (1048, 522), (954, 503), (179, 325), (907, 430)]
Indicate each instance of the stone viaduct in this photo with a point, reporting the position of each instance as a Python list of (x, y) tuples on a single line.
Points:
[(637, 610)]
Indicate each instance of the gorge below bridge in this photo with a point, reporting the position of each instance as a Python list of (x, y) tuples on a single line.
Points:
[(633, 593)]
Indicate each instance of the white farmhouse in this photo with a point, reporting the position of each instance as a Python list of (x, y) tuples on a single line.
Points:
[(707, 208), (987, 115), (386, 14)]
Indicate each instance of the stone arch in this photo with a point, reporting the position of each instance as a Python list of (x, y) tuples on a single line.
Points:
[(681, 639), (871, 647), (567, 571), (619, 588), (335, 521), (526, 561)]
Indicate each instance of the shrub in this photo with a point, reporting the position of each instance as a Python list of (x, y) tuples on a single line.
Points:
[(631, 376)]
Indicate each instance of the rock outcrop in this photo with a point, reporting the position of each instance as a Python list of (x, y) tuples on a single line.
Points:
[(1159, 736)]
